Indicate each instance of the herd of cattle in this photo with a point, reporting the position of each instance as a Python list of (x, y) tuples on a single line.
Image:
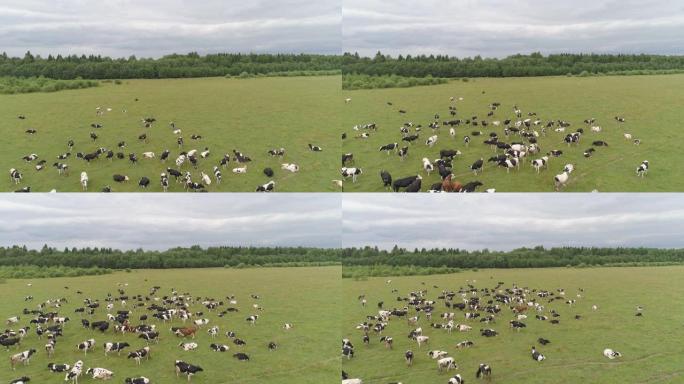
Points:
[(492, 310), (108, 321), (514, 141), (92, 152)]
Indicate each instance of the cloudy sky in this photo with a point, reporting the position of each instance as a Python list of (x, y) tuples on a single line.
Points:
[(507, 221), (151, 28), (497, 28), (156, 221)]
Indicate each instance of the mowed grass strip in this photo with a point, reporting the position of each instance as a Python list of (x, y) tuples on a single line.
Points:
[(306, 354), (249, 115), (650, 344), (647, 102)]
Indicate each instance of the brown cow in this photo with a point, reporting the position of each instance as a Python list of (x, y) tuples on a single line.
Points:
[(451, 186), (185, 331)]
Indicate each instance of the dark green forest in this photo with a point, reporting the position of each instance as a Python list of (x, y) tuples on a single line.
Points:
[(535, 64), (198, 257), (170, 66), (537, 257), (192, 257)]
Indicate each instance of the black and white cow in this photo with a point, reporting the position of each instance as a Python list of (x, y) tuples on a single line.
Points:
[(484, 371), (115, 347)]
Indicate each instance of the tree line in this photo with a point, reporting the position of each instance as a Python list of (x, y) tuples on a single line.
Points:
[(191, 257), (11, 85), (534, 64), (198, 257), (537, 257), (171, 66)]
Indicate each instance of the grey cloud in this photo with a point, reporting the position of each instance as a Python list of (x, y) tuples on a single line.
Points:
[(152, 28), (508, 221), (496, 28), (153, 221)]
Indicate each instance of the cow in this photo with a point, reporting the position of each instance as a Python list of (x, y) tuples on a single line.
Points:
[(23, 357), (86, 345), (140, 354), (74, 372), (115, 347), (100, 373)]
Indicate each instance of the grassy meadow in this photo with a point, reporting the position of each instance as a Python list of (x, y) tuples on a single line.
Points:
[(650, 344), (306, 354), (249, 115), (648, 103)]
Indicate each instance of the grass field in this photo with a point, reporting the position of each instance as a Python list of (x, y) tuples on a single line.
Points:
[(651, 344), (306, 354), (250, 115), (648, 103)]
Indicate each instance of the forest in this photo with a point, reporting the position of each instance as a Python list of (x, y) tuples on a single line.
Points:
[(237, 257), (192, 257), (535, 64), (98, 67), (536, 257)]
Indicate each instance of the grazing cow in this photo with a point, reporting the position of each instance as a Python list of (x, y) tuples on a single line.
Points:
[(403, 152), (144, 182), (427, 165), (476, 167), (642, 169), (430, 142), (465, 344), (58, 367), (408, 356), (219, 347), (457, 379), (205, 178), (272, 346), (164, 155), (23, 357), (86, 345), (188, 346), (185, 331), (241, 356), (415, 185), (15, 176), (115, 347), (252, 319), (388, 341), (387, 148), (421, 340), (100, 373), (484, 372), (540, 163), (447, 363), (140, 354), (217, 175), (351, 172), (62, 169), (611, 354), (561, 179), (386, 179), (120, 178), (536, 355), (164, 181), (137, 380), (75, 372)]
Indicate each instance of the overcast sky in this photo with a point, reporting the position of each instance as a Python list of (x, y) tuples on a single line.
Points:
[(162, 221), (152, 28), (507, 221), (497, 28)]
